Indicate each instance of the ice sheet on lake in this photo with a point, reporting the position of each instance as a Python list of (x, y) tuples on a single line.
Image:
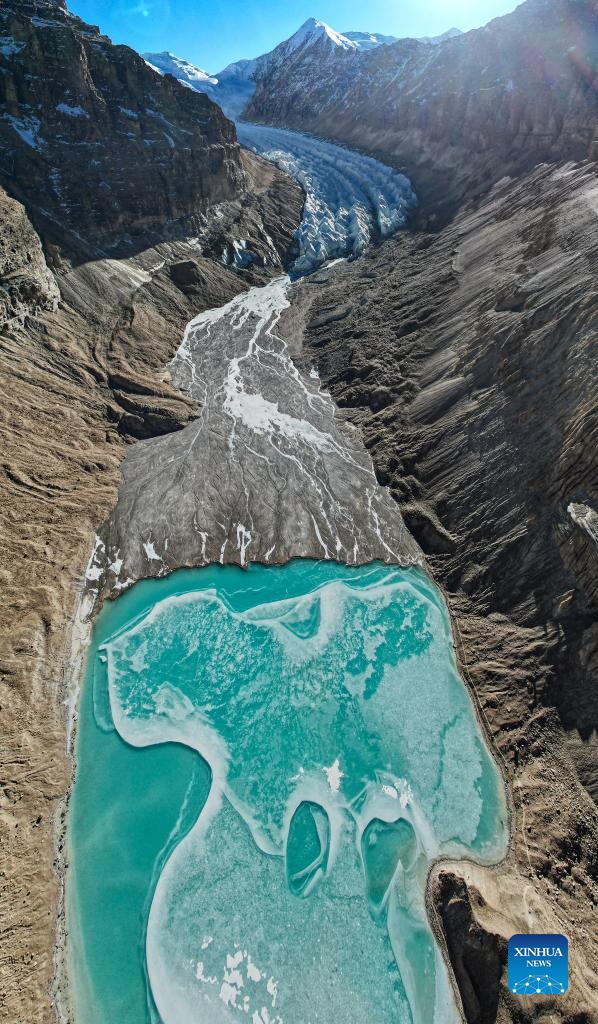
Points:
[(345, 756)]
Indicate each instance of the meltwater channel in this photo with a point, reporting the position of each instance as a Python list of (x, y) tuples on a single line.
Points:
[(270, 758)]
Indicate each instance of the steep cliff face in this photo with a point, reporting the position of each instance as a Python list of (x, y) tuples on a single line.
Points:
[(26, 284), (457, 116), (92, 139)]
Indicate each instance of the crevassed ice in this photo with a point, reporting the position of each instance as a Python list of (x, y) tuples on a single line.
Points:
[(350, 198), (345, 756)]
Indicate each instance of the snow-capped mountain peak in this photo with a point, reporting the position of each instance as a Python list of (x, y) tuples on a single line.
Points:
[(313, 31), (315, 43), (167, 63), (451, 33), (233, 87)]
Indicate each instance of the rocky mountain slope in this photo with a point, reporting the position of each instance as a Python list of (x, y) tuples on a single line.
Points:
[(92, 139), (466, 359), (233, 87), (459, 116), (313, 46), (111, 240), (26, 284)]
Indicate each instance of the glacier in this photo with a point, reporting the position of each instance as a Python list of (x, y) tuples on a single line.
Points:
[(351, 199)]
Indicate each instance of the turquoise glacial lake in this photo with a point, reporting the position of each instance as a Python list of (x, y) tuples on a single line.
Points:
[(268, 761)]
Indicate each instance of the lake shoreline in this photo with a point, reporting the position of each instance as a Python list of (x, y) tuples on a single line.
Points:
[(427, 581)]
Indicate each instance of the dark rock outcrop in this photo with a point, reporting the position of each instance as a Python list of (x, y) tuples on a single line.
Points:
[(478, 958), (26, 284), (459, 116), (94, 140)]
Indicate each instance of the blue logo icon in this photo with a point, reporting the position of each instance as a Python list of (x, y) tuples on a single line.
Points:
[(538, 965)]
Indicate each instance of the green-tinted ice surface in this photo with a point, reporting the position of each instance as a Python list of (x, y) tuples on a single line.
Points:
[(341, 754)]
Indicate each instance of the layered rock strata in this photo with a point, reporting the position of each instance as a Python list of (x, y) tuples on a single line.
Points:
[(95, 141)]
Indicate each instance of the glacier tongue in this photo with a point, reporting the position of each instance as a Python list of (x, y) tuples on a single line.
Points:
[(350, 198)]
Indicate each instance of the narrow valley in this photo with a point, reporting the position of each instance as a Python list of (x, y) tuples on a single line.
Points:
[(298, 526)]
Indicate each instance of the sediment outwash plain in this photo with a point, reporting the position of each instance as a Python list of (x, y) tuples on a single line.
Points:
[(459, 353)]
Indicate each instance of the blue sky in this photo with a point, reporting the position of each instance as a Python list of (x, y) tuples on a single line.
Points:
[(212, 33)]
